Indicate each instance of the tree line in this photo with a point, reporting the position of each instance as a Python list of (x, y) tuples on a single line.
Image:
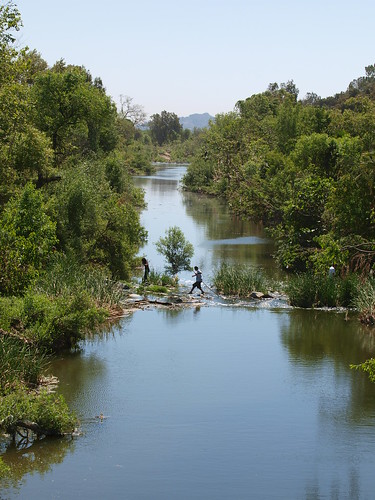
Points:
[(69, 218), (304, 168)]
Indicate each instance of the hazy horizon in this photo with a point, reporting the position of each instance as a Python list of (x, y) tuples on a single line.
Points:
[(206, 55)]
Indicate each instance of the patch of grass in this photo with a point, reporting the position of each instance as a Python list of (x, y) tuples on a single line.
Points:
[(301, 290), (10, 311), (349, 288), (157, 289), (239, 280)]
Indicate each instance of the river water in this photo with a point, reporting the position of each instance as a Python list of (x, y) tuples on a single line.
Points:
[(220, 401)]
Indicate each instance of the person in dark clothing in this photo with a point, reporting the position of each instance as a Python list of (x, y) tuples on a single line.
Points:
[(147, 269), (198, 280)]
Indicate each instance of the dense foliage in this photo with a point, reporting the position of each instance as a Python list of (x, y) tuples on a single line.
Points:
[(66, 156), (69, 217), (303, 167)]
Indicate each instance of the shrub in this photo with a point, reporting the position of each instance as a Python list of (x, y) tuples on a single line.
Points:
[(48, 411), (60, 322), (199, 176), (27, 236), (95, 223), (368, 367)]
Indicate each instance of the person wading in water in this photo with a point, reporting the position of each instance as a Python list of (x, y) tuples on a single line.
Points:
[(198, 280)]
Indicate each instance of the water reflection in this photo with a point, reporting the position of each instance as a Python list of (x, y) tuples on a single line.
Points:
[(215, 402), (38, 459), (216, 234), (321, 344)]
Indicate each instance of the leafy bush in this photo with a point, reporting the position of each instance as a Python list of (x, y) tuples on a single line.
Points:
[(27, 236), (60, 322), (96, 224), (199, 176), (48, 411), (368, 367)]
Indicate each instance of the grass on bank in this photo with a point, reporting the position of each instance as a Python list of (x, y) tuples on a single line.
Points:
[(66, 302)]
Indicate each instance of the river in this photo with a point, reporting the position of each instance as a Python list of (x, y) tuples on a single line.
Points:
[(222, 401)]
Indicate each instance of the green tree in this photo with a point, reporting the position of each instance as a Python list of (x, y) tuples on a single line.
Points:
[(165, 127), (94, 222), (73, 111), (176, 249), (10, 21)]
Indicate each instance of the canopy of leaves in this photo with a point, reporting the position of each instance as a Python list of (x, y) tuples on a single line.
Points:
[(165, 127), (303, 167)]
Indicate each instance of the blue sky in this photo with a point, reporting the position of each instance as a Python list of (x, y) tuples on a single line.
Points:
[(203, 55)]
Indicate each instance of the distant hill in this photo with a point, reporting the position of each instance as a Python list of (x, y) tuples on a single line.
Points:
[(195, 121)]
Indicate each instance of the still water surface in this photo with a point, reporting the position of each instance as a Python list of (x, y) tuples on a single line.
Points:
[(216, 402)]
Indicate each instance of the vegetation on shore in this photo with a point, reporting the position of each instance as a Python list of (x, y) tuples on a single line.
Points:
[(69, 219), (69, 212), (305, 169)]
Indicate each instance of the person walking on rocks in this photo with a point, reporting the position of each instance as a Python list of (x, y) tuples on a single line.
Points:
[(198, 280), (147, 269)]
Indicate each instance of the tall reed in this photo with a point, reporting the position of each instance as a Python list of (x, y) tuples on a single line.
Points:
[(65, 276), (314, 290), (365, 301), (239, 280), (20, 362)]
